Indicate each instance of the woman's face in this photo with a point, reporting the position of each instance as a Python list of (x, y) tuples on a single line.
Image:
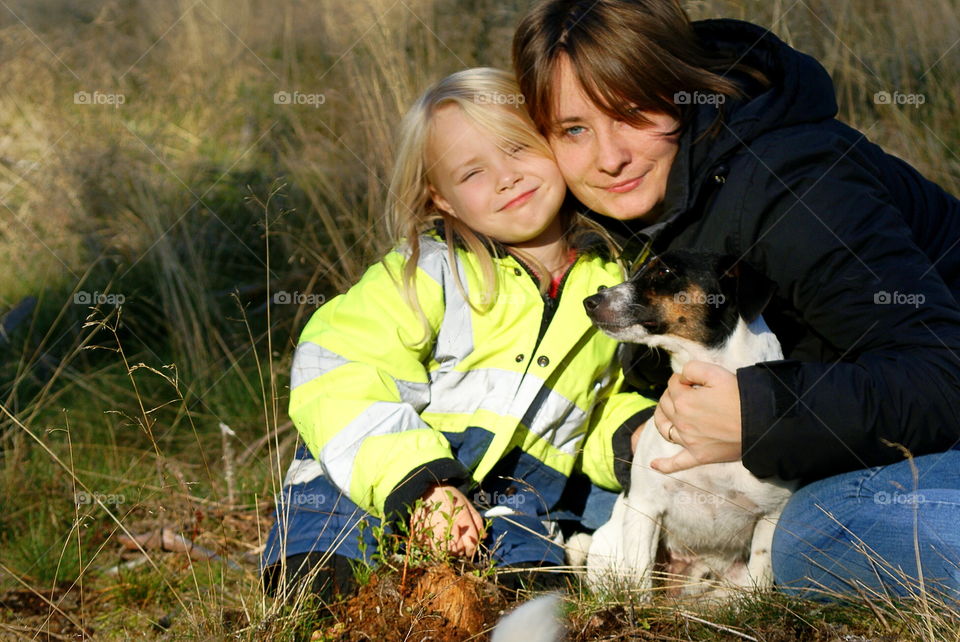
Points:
[(615, 169)]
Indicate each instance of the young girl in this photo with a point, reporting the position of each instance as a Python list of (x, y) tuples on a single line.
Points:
[(462, 369)]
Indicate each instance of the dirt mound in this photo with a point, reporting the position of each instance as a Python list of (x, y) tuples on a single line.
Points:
[(52, 614), (435, 603)]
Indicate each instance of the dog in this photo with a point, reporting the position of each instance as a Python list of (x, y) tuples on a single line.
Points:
[(713, 525)]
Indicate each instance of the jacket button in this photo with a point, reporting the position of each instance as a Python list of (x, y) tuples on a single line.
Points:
[(517, 271), (519, 358), (543, 362)]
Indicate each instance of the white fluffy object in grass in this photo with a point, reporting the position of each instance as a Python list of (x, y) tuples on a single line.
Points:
[(534, 621)]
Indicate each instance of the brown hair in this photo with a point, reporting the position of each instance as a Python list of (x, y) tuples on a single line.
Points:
[(626, 54)]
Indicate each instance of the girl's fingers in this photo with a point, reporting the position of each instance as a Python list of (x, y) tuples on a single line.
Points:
[(464, 537), (477, 520)]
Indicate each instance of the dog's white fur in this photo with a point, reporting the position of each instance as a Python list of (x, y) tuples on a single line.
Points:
[(708, 517)]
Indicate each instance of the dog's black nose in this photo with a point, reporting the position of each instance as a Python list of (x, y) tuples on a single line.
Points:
[(592, 302)]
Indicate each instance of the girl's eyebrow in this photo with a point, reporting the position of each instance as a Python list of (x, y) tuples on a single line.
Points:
[(470, 161)]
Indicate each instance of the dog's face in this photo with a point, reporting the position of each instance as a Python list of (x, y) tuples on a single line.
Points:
[(693, 296)]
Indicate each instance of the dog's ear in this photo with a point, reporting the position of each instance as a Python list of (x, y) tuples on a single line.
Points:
[(752, 288)]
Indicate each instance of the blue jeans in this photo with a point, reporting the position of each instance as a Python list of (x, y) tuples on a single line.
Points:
[(865, 531), (315, 517), (318, 518)]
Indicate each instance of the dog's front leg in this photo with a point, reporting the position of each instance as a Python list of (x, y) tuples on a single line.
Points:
[(605, 555), (641, 536), (760, 567)]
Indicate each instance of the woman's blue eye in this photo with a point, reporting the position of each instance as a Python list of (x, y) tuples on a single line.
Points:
[(576, 130)]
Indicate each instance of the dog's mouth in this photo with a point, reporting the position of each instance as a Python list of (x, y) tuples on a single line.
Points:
[(605, 324), (631, 332)]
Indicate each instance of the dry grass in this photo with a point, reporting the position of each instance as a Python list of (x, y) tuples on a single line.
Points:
[(198, 198)]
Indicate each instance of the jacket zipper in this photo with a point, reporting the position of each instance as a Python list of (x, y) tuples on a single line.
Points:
[(549, 303)]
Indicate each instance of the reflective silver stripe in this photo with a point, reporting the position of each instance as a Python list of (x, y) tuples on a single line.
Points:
[(545, 412), (415, 394), (455, 336), (455, 392), (310, 361), (558, 421), (433, 258), (302, 471), (380, 418)]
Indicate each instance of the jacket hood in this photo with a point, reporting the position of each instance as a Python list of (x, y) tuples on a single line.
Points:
[(801, 91)]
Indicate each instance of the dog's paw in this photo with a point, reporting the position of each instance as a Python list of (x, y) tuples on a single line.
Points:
[(577, 548)]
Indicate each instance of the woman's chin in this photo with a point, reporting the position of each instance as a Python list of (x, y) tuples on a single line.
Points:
[(629, 208)]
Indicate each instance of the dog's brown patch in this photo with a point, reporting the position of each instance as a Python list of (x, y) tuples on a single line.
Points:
[(683, 314)]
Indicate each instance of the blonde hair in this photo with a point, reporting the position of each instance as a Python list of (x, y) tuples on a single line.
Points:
[(490, 98)]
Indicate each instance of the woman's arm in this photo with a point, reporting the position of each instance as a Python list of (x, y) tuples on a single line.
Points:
[(843, 257)]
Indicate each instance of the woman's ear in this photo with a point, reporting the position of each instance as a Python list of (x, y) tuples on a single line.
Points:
[(441, 203)]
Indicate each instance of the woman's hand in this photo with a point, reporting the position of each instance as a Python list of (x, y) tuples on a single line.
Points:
[(447, 521), (700, 410)]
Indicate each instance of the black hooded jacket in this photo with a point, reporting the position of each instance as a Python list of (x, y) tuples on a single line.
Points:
[(864, 253)]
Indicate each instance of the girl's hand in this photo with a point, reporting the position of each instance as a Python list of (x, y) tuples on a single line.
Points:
[(700, 410), (447, 521)]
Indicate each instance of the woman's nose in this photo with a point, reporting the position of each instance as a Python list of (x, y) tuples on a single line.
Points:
[(612, 154)]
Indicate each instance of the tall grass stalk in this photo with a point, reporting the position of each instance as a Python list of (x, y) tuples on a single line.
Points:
[(157, 234)]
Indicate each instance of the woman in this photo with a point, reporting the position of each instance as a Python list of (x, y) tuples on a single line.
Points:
[(717, 135)]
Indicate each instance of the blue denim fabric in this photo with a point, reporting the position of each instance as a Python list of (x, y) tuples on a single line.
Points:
[(864, 530), (315, 516)]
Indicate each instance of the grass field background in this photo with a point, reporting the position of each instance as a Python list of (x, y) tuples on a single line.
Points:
[(182, 182)]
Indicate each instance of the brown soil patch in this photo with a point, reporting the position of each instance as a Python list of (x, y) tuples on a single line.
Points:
[(44, 614), (435, 603)]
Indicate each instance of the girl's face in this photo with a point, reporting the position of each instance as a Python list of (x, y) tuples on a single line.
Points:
[(615, 169), (512, 196)]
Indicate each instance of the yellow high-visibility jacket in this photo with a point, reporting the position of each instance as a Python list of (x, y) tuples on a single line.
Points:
[(384, 416)]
